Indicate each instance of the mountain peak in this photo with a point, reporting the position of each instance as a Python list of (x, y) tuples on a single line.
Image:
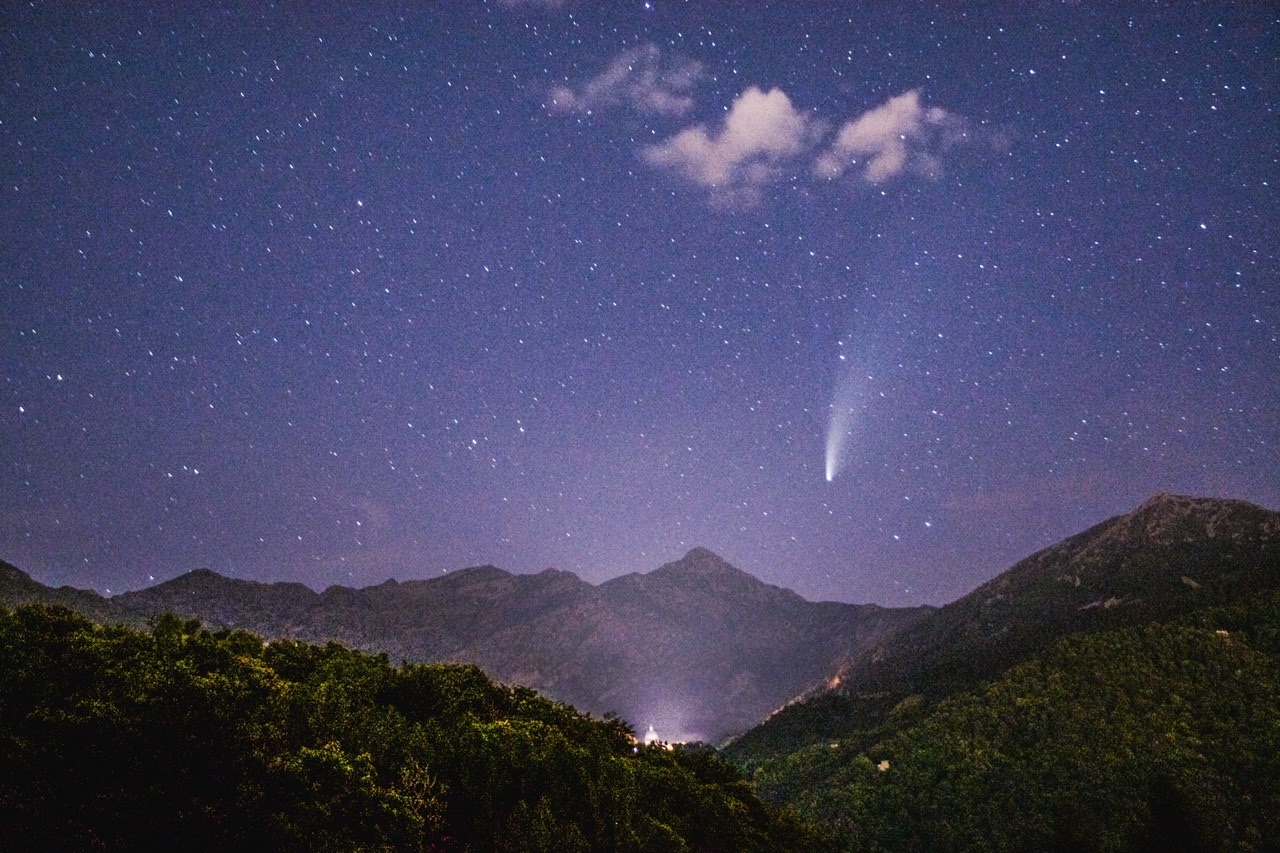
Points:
[(1160, 499), (1171, 555), (195, 578), (1167, 519), (202, 573), (702, 562), (1162, 503), (473, 576), (703, 572), (1168, 502)]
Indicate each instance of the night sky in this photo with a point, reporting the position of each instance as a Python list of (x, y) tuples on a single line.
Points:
[(872, 300)]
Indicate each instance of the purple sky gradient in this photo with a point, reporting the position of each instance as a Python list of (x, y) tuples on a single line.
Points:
[(337, 293)]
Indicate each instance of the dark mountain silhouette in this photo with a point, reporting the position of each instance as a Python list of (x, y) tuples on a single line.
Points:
[(17, 588), (1171, 556), (697, 648)]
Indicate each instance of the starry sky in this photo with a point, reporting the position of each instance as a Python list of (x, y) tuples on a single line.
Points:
[(870, 299)]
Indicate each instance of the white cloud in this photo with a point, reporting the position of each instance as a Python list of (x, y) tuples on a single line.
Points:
[(639, 79), (761, 133), (882, 143), (764, 138)]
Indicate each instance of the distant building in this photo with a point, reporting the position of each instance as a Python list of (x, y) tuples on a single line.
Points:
[(651, 736)]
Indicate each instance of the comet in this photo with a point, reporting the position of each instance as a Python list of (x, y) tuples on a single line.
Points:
[(843, 420), (837, 432)]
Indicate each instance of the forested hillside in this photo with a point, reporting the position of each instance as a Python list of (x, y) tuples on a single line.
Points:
[(1160, 738), (1172, 556), (664, 648), (182, 739), (1119, 691)]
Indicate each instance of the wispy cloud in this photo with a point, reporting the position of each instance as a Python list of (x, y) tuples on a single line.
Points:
[(641, 79), (761, 134), (764, 138), (884, 142)]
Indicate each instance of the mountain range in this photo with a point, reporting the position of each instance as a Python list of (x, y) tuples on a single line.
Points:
[(1170, 557), (697, 649), (701, 650), (1115, 691)]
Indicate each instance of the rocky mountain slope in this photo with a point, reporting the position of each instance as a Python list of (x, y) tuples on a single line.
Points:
[(698, 649), (1171, 556)]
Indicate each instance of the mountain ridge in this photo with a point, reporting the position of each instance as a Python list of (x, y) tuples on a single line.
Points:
[(1171, 555), (702, 649), (697, 647)]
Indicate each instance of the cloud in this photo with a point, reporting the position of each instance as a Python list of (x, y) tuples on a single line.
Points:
[(639, 79), (761, 133), (884, 142), (764, 138)]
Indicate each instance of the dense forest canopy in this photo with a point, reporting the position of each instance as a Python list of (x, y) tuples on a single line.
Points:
[(1160, 738), (1119, 691), (186, 739)]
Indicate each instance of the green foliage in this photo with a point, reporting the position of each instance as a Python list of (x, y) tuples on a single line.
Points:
[(820, 719), (181, 738), (1159, 738)]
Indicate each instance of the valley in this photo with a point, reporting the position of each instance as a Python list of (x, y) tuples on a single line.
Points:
[(1155, 628)]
